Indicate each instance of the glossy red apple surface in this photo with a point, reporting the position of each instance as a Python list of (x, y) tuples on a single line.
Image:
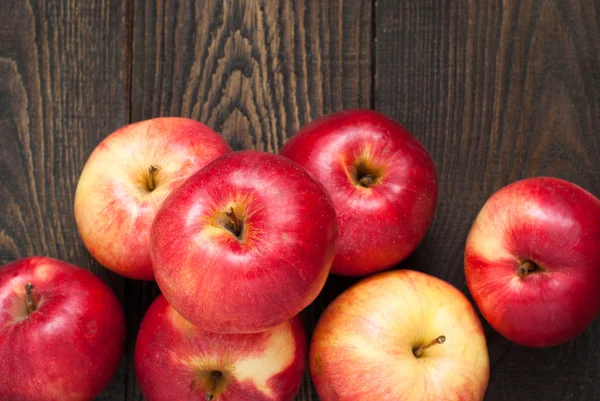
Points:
[(382, 181), (175, 360), (126, 179), (244, 244), (532, 261), (62, 332), (399, 336)]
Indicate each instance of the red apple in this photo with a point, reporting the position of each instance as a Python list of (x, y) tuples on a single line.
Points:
[(244, 244), (175, 360), (126, 179), (400, 335), (62, 332), (382, 181), (532, 261)]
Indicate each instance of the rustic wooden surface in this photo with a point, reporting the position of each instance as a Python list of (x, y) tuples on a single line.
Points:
[(497, 91)]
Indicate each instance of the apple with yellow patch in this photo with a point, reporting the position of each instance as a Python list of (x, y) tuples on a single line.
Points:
[(62, 332), (400, 335), (125, 181), (175, 360)]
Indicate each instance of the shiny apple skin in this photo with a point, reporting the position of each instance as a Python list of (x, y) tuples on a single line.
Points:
[(70, 347), (114, 209), (555, 224), (381, 225), (171, 353), (225, 285), (362, 346)]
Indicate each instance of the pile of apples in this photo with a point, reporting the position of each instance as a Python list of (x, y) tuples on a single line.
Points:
[(241, 242)]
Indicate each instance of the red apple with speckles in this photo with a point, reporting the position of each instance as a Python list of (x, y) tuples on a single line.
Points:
[(399, 335), (126, 179), (532, 261), (175, 360), (245, 244), (62, 332), (382, 181)]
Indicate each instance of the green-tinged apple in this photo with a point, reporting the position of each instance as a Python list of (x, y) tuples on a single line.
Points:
[(175, 360), (381, 179), (532, 261), (62, 332), (244, 244), (126, 179), (399, 336)]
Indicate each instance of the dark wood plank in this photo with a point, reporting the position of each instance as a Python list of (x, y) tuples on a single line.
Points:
[(253, 70), (63, 87), (498, 91)]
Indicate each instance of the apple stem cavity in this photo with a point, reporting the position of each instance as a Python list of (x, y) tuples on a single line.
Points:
[(366, 181), (151, 177), (419, 350), (236, 227), (215, 377), (29, 293), (527, 267), (365, 174)]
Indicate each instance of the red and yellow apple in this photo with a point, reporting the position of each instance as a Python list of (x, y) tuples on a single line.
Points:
[(532, 261), (382, 181), (62, 332), (244, 244), (399, 335), (126, 179), (175, 360)]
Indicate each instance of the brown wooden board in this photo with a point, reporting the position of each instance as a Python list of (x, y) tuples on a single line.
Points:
[(64, 85), (496, 90)]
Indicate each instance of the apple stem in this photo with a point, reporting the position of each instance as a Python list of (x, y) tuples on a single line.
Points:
[(30, 304), (237, 229), (151, 180), (527, 267), (366, 180), (419, 350), (215, 376)]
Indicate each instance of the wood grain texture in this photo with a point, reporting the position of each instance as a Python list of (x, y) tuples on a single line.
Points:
[(63, 87), (255, 71), (498, 91)]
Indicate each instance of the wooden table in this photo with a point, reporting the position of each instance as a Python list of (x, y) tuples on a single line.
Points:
[(496, 90)]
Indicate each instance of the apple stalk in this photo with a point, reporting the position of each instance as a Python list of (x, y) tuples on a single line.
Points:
[(419, 350), (152, 170), (29, 293), (215, 377), (236, 227)]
